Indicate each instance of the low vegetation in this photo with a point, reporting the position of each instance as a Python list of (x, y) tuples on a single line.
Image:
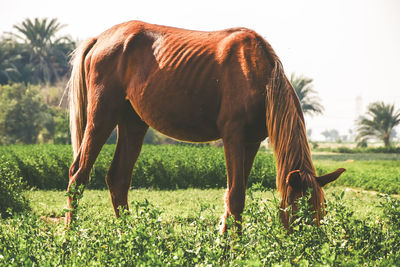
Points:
[(181, 228), (158, 167), (381, 176), (185, 166), (12, 198), (25, 118), (358, 150)]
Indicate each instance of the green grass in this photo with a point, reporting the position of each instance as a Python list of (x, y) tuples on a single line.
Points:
[(180, 228), (183, 202), (379, 172)]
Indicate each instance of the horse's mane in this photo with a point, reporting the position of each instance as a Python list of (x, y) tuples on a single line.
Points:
[(287, 134), (286, 129)]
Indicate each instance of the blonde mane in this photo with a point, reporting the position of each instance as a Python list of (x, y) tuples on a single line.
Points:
[(287, 135)]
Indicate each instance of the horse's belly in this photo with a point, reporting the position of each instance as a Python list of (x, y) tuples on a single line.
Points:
[(192, 127), (180, 113), (188, 133)]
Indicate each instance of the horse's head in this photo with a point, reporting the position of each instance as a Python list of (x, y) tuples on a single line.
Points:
[(298, 183)]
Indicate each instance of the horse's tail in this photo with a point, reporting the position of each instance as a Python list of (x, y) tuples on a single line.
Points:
[(78, 94), (286, 127)]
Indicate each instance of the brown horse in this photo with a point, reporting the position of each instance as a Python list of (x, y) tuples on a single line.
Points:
[(193, 86)]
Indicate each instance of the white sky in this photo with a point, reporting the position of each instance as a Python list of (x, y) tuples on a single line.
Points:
[(350, 48)]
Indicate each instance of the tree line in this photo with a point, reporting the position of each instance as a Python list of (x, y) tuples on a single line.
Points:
[(34, 68), (35, 53), (378, 123)]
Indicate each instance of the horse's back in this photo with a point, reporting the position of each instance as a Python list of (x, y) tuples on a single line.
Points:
[(175, 47)]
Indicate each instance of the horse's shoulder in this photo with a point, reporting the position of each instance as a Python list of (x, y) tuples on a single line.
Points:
[(118, 38)]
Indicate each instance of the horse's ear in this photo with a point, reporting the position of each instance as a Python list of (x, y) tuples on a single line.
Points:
[(330, 177), (294, 179)]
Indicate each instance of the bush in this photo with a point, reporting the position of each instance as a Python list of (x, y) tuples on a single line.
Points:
[(344, 149), (347, 150), (41, 166), (183, 166), (11, 189), (26, 119), (62, 133), (362, 144), (159, 167), (389, 149)]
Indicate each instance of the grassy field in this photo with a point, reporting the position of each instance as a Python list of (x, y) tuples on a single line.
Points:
[(185, 202), (179, 227), (369, 171)]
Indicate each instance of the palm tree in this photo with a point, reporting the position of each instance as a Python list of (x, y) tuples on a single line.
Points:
[(379, 122), (48, 54), (304, 90), (8, 63)]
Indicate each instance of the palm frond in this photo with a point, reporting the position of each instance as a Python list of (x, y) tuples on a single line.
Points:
[(44, 46), (310, 102), (379, 122)]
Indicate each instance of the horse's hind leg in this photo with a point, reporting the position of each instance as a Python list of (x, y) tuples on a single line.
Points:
[(131, 131), (103, 112), (239, 158)]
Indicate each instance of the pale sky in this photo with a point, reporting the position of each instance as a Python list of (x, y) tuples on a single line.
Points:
[(350, 48)]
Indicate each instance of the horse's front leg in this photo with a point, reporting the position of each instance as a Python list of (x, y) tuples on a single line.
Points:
[(239, 158)]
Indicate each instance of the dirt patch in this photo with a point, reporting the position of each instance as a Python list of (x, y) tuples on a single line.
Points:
[(357, 190), (53, 220)]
